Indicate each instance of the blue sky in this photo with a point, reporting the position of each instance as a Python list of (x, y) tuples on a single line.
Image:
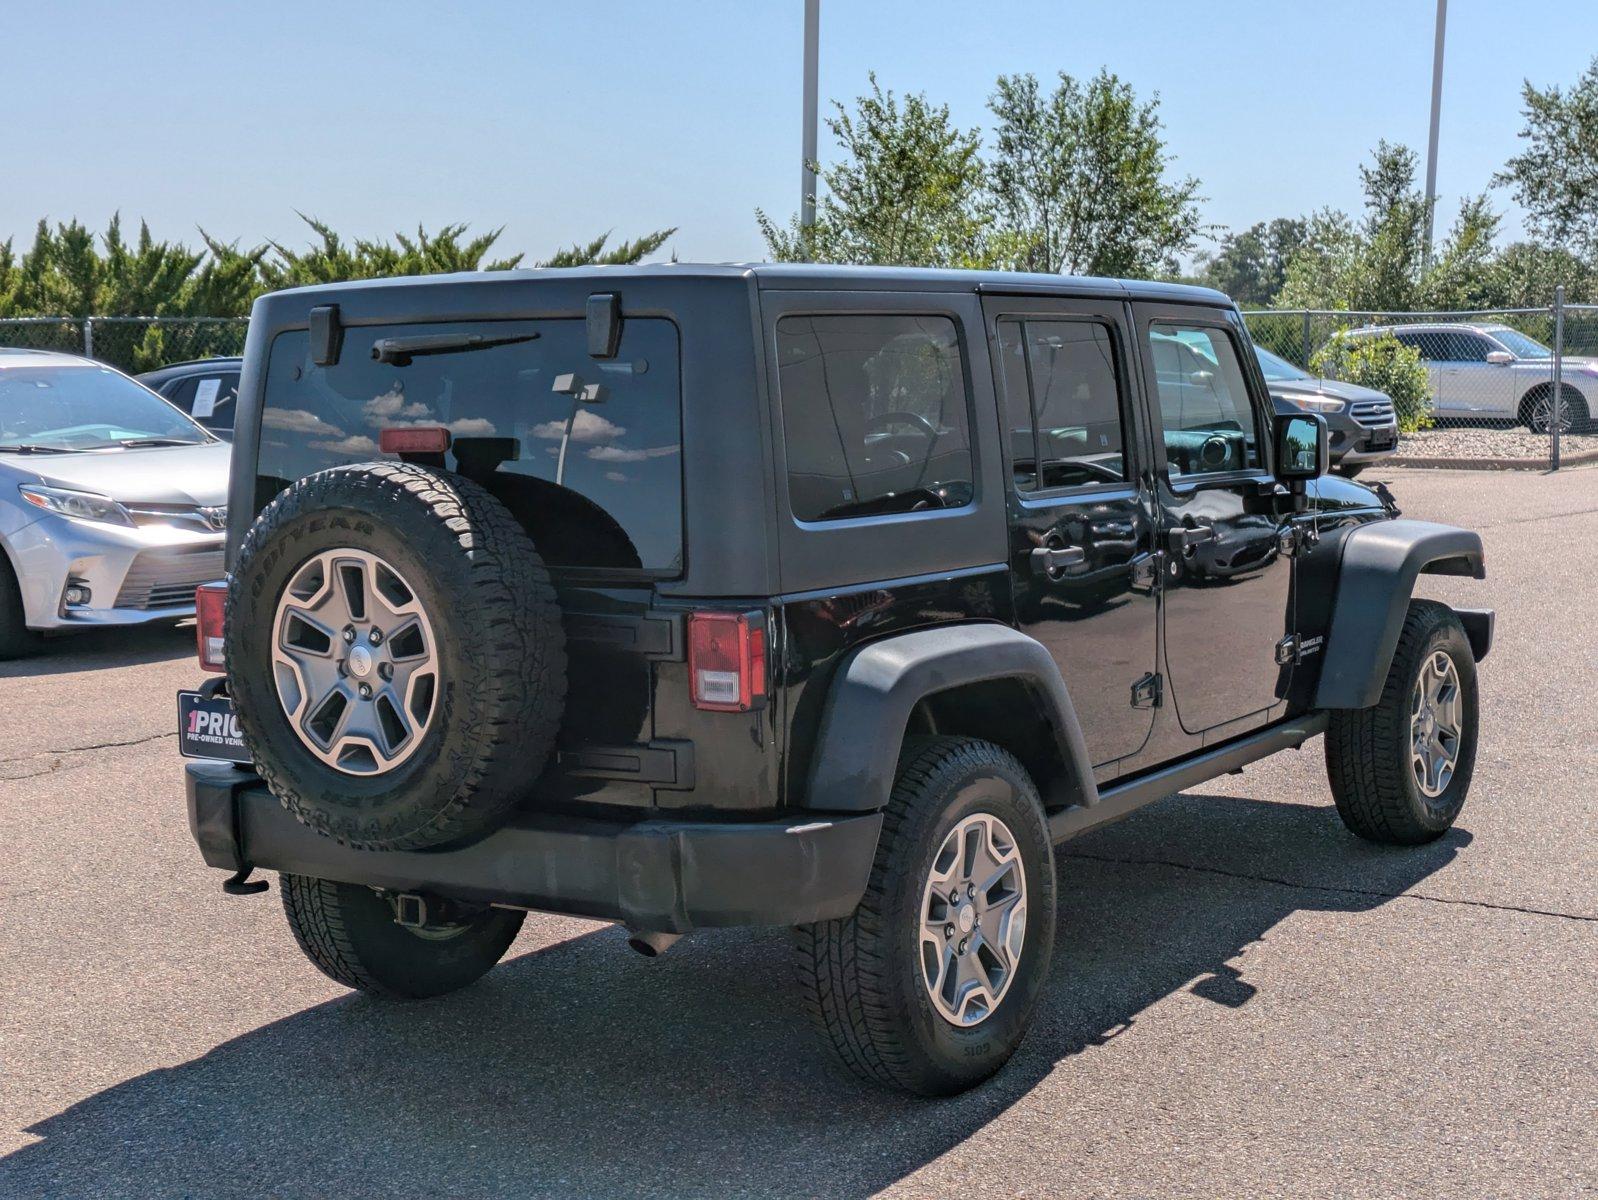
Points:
[(560, 121)]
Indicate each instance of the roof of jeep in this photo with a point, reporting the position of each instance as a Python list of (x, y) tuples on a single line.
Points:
[(821, 277)]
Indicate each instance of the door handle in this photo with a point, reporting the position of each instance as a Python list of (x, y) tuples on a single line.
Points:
[(1053, 560), (1183, 538)]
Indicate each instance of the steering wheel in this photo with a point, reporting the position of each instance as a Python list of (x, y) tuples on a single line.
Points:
[(884, 421)]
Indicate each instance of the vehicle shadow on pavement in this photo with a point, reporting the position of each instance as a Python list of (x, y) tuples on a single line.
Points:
[(583, 1069), (102, 649)]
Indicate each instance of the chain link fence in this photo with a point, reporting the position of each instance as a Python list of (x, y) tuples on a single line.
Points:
[(1490, 388), (133, 344)]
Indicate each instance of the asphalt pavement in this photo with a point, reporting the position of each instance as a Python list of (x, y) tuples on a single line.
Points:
[(1245, 1000)]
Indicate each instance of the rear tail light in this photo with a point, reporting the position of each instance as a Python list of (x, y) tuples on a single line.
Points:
[(727, 661), (209, 599)]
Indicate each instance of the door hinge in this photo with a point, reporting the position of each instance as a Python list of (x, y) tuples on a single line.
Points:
[(1295, 649), (1149, 691), (1296, 539)]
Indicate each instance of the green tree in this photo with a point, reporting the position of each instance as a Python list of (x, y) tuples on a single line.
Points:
[(1079, 178), (908, 190), (1555, 179), (1524, 275), (1380, 263), (1250, 266)]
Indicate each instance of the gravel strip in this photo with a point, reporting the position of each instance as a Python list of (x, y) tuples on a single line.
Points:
[(1517, 446)]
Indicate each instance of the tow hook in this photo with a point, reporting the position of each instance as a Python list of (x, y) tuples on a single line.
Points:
[(240, 884), (650, 943)]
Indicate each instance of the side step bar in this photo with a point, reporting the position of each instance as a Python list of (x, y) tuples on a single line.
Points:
[(1127, 796)]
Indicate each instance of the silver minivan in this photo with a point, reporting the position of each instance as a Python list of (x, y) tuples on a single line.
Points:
[(113, 503)]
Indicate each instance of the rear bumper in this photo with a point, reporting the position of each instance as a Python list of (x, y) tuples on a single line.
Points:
[(655, 874)]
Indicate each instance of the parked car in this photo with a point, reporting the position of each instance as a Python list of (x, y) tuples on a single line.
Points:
[(1361, 422), (825, 597), (112, 502), (1497, 373), (206, 389)]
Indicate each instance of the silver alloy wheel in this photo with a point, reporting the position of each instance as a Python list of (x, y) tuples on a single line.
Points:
[(1435, 720), (1542, 415), (355, 661), (973, 920)]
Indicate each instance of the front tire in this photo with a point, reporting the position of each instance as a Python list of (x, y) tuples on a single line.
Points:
[(911, 990), (16, 639), (1400, 770), (348, 931)]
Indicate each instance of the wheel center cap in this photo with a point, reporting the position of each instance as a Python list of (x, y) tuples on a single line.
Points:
[(966, 918), (360, 662)]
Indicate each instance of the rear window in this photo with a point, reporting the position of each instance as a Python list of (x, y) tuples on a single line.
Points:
[(593, 471)]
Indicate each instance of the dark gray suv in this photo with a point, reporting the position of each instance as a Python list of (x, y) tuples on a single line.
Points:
[(1361, 425)]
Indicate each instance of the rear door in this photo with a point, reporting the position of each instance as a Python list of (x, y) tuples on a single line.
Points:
[(1228, 574), (1082, 550)]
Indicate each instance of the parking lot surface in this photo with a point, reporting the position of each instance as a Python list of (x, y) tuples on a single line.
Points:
[(1245, 999)]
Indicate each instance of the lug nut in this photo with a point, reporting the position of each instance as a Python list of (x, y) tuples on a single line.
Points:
[(366, 691), (954, 897), (963, 945), (375, 637), (971, 889), (948, 931), (386, 671), (349, 633)]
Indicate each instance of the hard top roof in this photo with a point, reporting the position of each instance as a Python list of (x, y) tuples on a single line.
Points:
[(820, 277)]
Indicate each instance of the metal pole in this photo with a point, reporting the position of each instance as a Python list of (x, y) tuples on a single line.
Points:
[(1437, 112), (807, 173), (1306, 339), (88, 337), (1559, 387)]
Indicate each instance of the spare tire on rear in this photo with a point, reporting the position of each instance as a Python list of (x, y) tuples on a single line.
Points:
[(395, 653)]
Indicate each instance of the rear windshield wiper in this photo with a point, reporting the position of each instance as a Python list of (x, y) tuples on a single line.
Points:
[(399, 351), (29, 448)]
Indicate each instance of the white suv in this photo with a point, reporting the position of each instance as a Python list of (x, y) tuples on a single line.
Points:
[(1496, 372)]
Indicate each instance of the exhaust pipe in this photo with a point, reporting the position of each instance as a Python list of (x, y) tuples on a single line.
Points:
[(651, 944)]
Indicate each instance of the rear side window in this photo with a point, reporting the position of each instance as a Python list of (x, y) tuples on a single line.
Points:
[(593, 470), (875, 413), (207, 398), (1063, 400)]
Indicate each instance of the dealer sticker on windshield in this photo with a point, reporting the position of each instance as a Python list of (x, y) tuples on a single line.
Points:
[(209, 728)]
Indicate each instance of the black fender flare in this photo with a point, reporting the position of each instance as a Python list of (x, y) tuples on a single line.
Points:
[(879, 684), (1376, 576)]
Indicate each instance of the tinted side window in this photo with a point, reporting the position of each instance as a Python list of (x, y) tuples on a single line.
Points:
[(1461, 347), (595, 477), (875, 415), (1063, 400), (1205, 414)]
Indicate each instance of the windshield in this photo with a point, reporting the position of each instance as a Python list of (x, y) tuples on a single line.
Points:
[(1520, 345), (1278, 369), (86, 408)]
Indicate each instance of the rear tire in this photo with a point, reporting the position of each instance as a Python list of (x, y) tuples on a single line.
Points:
[(349, 932), (1390, 772), (864, 979)]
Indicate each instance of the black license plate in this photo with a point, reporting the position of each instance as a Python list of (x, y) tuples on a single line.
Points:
[(209, 728), (1381, 441)]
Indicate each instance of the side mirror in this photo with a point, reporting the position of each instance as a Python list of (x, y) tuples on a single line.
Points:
[(1500, 358), (1302, 451)]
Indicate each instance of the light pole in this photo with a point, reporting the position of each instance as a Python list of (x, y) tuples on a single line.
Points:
[(1437, 112), (807, 174)]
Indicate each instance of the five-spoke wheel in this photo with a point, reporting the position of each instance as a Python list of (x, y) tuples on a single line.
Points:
[(973, 919), (355, 661)]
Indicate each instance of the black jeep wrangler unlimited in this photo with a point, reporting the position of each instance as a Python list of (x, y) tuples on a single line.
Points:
[(689, 596)]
